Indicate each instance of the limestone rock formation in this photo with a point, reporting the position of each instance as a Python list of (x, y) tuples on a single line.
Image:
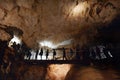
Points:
[(57, 20), (91, 73)]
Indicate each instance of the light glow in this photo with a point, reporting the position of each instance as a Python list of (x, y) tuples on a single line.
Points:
[(66, 42), (48, 44), (15, 39), (79, 9), (51, 45)]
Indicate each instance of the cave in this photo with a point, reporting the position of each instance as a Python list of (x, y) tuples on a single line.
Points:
[(59, 40)]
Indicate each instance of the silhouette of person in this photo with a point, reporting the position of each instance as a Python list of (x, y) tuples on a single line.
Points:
[(16, 48), (37, 52), (102, 54), (107, 52), (98, 52), (14, 45), (78, 52), (47, 53), (41, 53), (64, 54), (71, 53), (85, 52), (92, 53), (28, 54), (54, 54)]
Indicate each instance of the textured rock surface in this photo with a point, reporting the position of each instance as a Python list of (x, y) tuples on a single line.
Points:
[(57, 71), (34, 73), (14, 68), (91, 73), (56, 20)]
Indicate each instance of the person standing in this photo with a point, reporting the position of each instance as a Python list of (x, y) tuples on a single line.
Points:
[(77, 49), (64, 54), (41, 53), (47, 54), (71, 53), (86, 58), (98, 52), (107, 51), (101, 48), (54, 54), (37, 52), (28, 53)]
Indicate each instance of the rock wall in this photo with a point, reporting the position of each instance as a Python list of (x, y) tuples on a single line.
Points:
[(91, 73), (57, 20)]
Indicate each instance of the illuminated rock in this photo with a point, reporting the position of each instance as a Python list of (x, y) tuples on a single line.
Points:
[(58, 21)]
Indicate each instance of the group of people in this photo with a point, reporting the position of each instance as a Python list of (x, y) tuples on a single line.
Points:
[(97, 52), (23, 51), (86, 54), (45, 52), (100, 52)]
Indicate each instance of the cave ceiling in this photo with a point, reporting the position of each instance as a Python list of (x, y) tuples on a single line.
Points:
[(55, 20)]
